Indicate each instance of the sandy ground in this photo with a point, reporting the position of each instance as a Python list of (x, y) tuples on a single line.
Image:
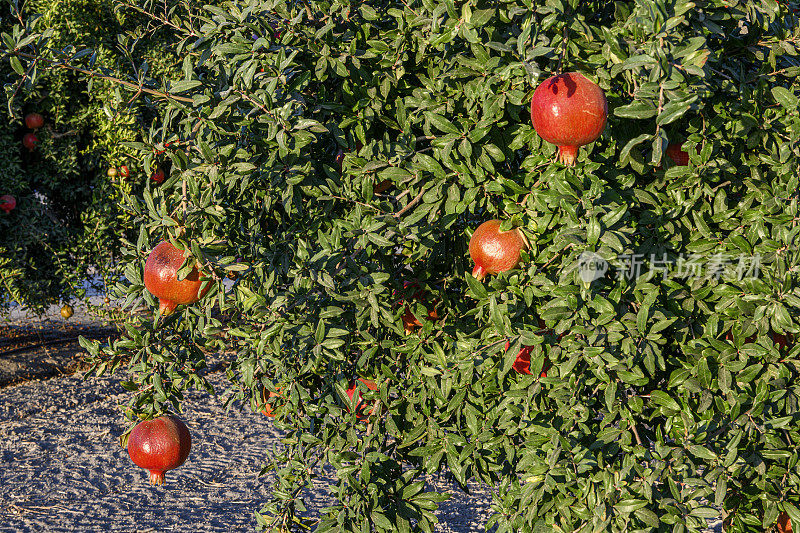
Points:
[(63, 468)]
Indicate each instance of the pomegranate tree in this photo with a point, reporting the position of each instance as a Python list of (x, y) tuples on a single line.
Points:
[(569, 111), (159, 445), (495, 251), (7, 203), (161, 279)]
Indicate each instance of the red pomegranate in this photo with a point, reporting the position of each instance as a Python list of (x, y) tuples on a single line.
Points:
[(493, 250), (29, 141), (781, 340), (523, 362), (339, 159), (34, 121), (161, 279), (569, 111), (267, 411), (676, 153), (351, 390), (159, 445), (410, 322), (158, 175), (123, 171), (7, 203), (383, 186), (784, 523)]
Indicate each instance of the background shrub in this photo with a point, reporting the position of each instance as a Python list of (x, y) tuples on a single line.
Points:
[(69, 222)]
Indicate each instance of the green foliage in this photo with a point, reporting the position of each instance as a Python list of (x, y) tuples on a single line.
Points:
[(667, 402)]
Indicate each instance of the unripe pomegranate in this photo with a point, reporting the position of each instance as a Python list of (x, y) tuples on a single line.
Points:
[(784, 523), (29, 141), (34, 121), (351, 390), (159, 445), (123, 171), (158, 176), (493, 250), (7, 203), (569, 111), (161, 279), (112, 172), (67, 311)]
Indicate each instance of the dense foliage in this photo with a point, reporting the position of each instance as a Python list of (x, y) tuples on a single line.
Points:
[(668, 401)]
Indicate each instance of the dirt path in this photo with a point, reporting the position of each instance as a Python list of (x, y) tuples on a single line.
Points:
[(63, 468)]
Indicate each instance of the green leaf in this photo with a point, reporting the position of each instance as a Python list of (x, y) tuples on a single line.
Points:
[(441, 123), (785, 97)]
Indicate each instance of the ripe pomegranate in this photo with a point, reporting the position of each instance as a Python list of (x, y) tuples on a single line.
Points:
[(34, 121), (676, 153), (784, 523), (161, 279), (569, 111), (781, 340), (159, 445), (158, 175), (493, 250), (339, 159), (383, 186), (409, 320), (267, 411), (67, 311), (351, 390), (29, 141), (123, 171), (7, 203), (523, 362)]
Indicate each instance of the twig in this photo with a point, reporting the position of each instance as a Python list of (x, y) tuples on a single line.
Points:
[(565, 44), (411, 204), (55, 64), (636, 433)]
